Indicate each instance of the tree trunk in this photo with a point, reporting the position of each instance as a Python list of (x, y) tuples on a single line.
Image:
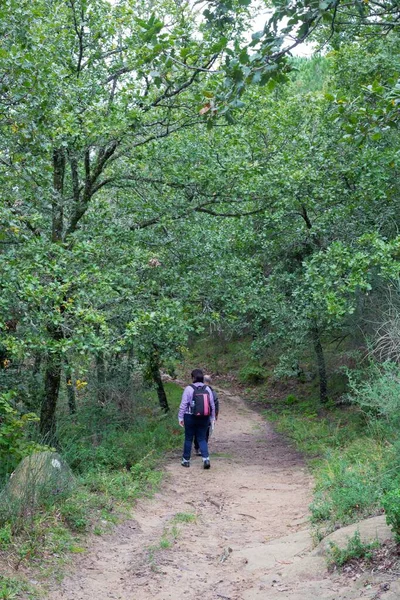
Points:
[(156, 377), (35, 385), (51, 388), (57, 203), (323, 378), (70, 388), (101, 379), (53, 370)]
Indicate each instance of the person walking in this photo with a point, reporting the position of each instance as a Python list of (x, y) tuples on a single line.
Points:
[(196, 424), (208, 381)]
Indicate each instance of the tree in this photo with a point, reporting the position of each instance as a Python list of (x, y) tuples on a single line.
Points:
[(87, 84), (299, 183)]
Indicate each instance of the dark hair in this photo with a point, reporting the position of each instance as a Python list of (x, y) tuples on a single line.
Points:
[(197, 375)]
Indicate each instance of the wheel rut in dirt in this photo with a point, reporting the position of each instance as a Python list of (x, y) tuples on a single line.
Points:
[(257, 490)]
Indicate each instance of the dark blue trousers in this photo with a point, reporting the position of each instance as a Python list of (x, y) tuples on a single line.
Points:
[(195, 426)]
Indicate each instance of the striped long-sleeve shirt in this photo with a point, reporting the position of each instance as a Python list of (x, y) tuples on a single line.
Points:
[(187, 397)]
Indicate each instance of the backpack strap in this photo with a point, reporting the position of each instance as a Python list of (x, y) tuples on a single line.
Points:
[(197, 388)]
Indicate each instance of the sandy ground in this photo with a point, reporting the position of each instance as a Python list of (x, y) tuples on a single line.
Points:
[(251, 512)]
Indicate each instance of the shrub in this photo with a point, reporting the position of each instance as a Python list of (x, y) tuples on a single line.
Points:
[(355, 549), (5, 536), (14, 441), (291, 399), (252, 374), (108, 439), (391, 504), (378, 395), (350, 482)]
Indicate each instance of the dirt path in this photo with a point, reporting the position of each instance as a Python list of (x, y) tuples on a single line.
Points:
[(249, 540), (257, 489)]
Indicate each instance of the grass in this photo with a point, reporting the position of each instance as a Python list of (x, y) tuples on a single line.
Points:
[(349, 458), (184, 518), (170, 535), (338, 557), (9, 588), (313, 430), (12, 588)]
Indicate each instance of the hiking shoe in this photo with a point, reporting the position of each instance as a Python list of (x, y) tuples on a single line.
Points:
[(185, 463), (206, 463), (198, 452)]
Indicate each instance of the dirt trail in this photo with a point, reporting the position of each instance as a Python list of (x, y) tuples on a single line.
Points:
[(251, 512), (257, 489), (250, 539)]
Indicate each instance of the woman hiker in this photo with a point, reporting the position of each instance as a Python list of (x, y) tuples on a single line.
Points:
[(195, 412), (207, 381)]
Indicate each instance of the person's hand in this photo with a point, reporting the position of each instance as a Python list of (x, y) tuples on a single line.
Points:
[(212, 425), (181, 423)]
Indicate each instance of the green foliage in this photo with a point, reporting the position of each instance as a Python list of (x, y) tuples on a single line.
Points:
[(105, 487), (378, 393), (122, 486), (216, 354), (75, 512), (129, 223), (14, 434), (315, 433), (107, 438), (391, 504), (350, 457), (5, 536), (349, 485), (252, 374), (355, 549)]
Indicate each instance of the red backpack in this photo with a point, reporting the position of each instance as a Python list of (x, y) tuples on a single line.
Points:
[(200, 403)]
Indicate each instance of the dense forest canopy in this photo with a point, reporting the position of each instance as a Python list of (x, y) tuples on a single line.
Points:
[(163, 172)]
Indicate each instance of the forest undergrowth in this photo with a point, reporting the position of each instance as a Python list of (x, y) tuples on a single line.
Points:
[(351, 442)]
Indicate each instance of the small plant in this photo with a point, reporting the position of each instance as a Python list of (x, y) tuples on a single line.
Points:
[(391, 504), (11, 588), (5, 536), (355, 548), (184, 518), (291, 399), (165, 543), (8, 588), (252, 374), (379, 394), (75, 513), (170, 534)]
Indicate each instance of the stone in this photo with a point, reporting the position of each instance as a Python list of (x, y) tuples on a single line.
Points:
[(38, 477), (374, 528)]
